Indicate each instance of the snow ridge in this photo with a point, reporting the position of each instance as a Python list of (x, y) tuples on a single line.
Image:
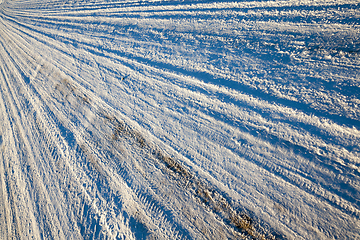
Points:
[(179, 119)]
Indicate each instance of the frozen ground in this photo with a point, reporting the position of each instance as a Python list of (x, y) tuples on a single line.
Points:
[(186, 119)]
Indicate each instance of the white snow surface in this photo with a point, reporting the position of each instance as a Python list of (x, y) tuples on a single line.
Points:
[(179, 119)]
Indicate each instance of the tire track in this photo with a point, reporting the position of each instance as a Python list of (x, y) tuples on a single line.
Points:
[(93, 100), (67, 87), (272, 93), (33, 172)]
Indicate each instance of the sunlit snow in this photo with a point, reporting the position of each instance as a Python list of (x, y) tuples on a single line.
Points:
[(179, 119)]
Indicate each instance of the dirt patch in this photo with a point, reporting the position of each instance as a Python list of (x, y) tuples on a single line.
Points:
[(212, 199)]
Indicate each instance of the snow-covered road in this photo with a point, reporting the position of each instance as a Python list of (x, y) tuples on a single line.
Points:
[(179, 119)]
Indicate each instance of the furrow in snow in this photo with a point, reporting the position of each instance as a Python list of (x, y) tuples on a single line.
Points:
[(180, 120)]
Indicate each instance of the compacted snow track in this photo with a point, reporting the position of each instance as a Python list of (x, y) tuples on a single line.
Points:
[(179, 119)]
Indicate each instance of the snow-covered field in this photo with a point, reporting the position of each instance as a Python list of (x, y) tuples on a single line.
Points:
[(179, 119)]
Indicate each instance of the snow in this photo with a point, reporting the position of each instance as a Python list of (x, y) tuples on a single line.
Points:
[(182, 119)]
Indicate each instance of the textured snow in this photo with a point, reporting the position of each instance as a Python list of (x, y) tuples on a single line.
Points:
[(179, 119)]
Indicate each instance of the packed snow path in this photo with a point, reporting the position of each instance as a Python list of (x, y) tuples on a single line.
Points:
[(179, 119)]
